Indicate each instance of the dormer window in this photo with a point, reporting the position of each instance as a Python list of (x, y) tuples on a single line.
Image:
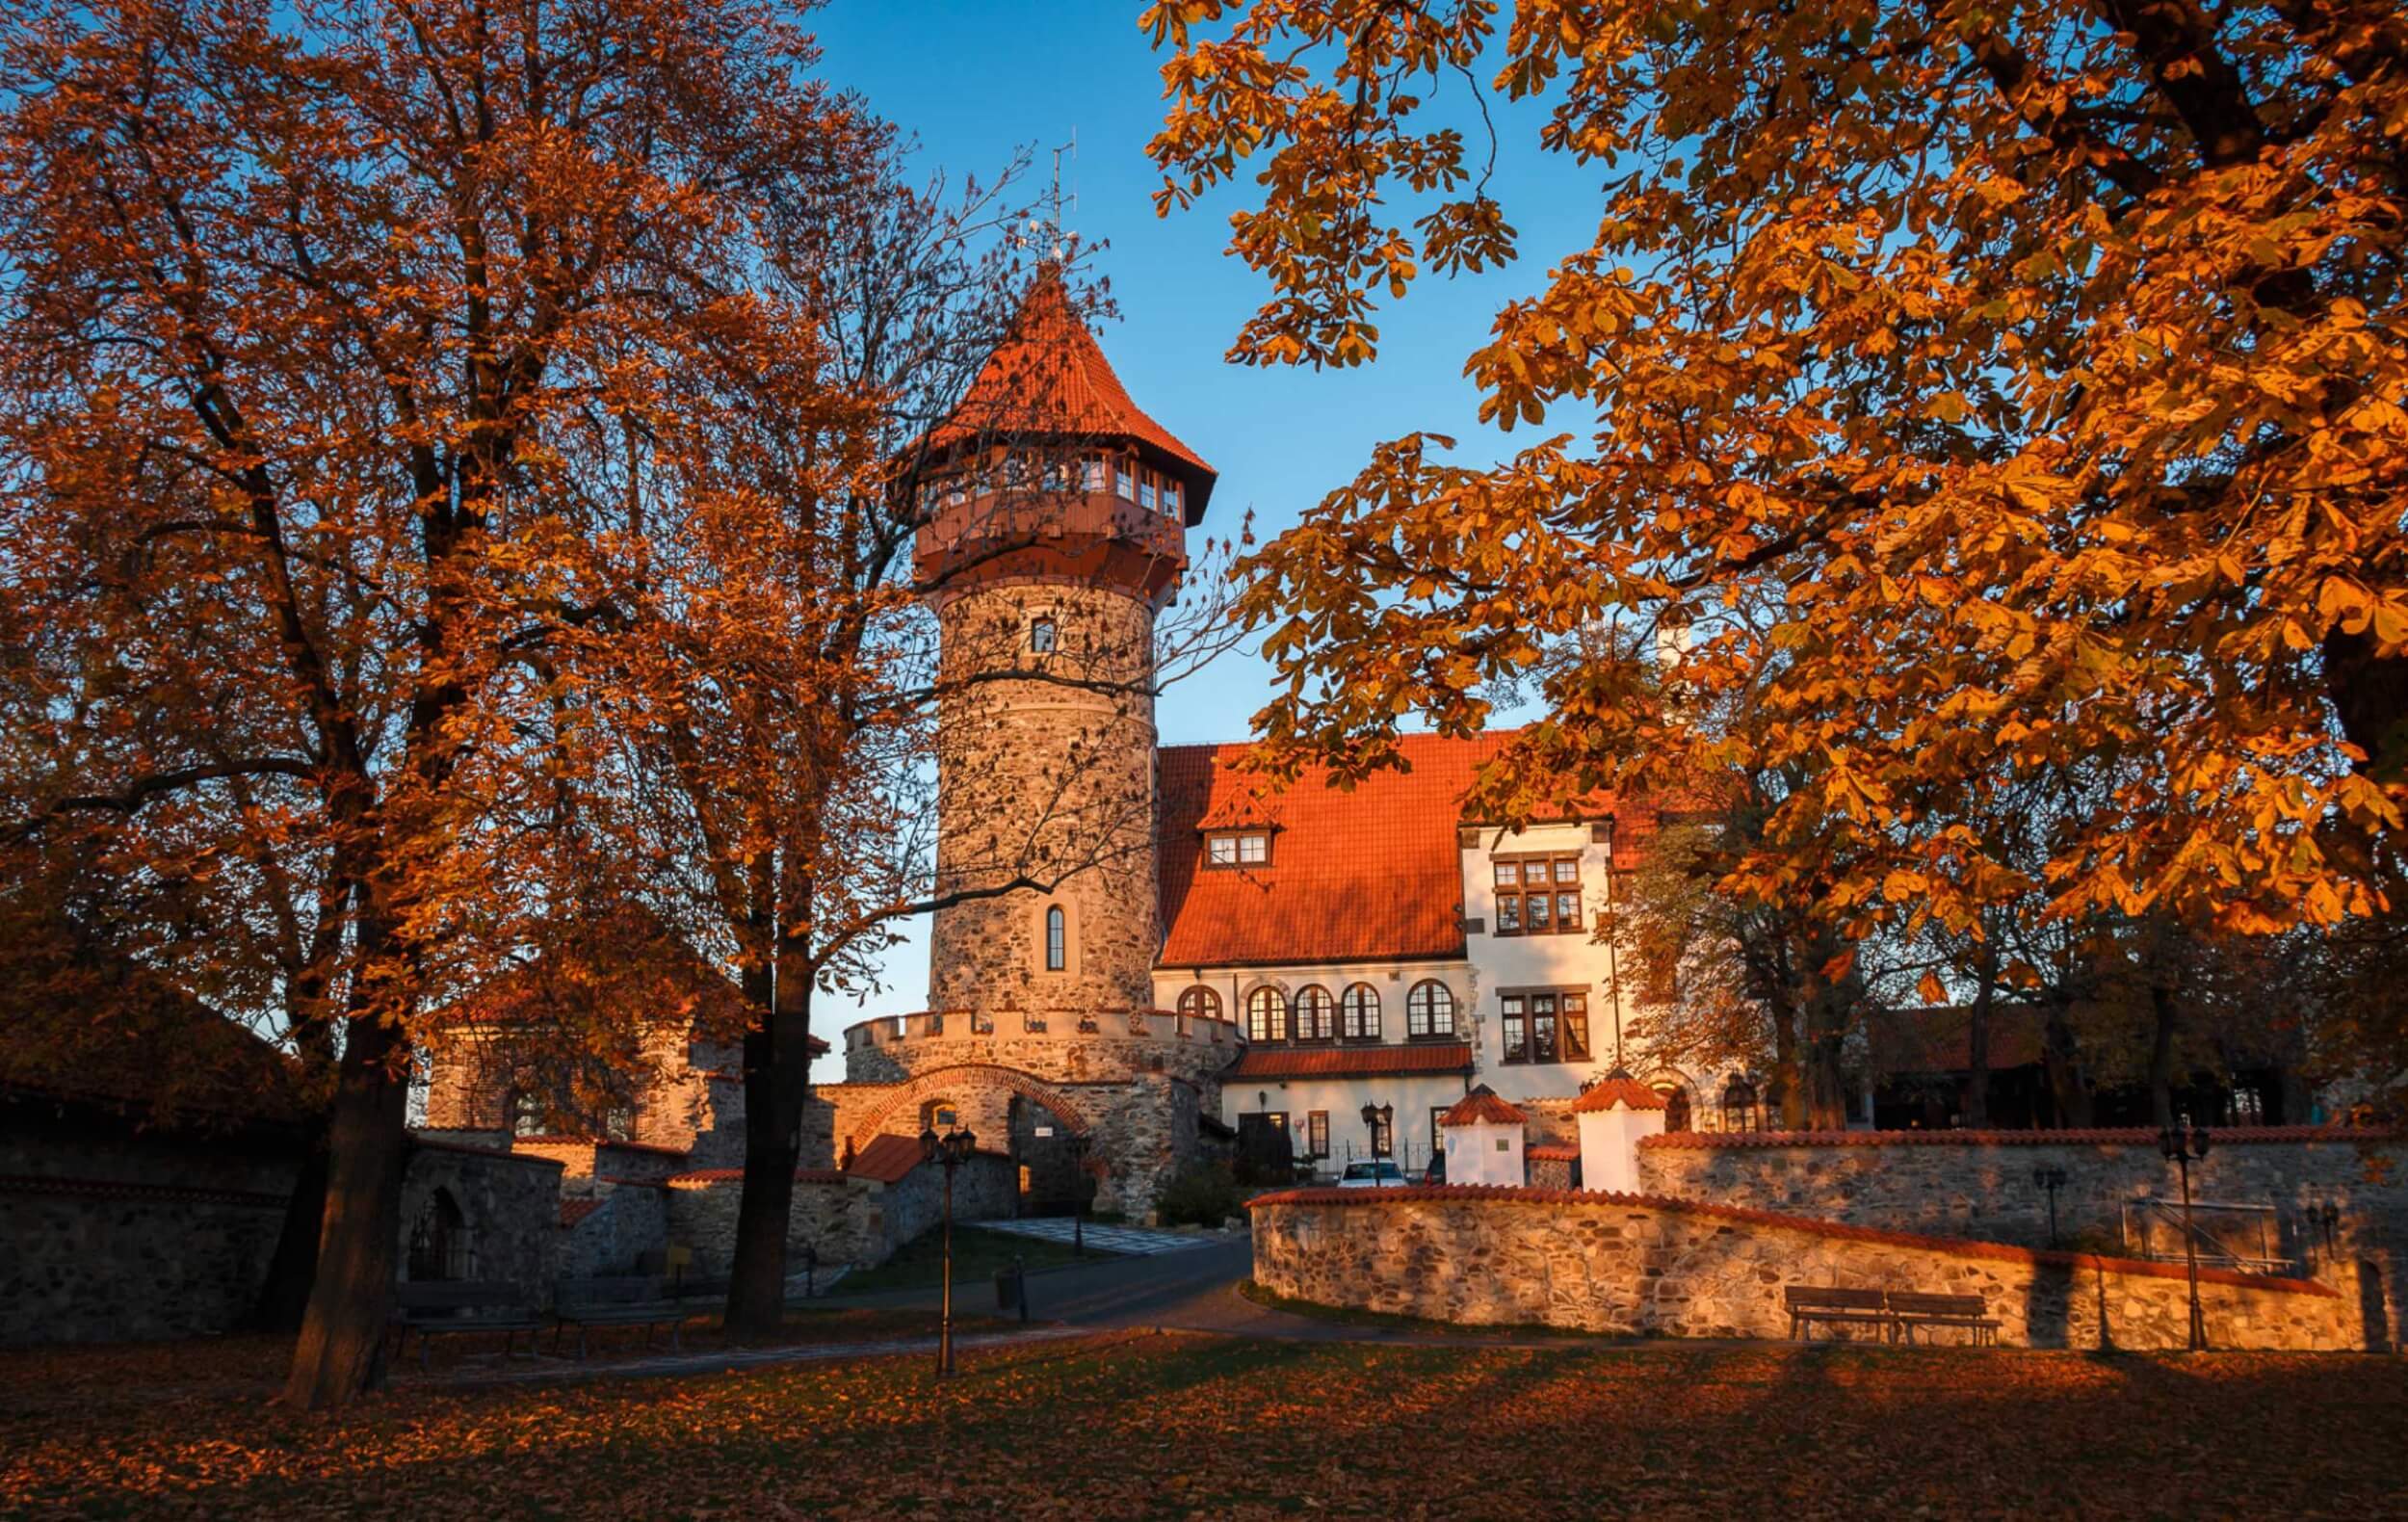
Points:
[(1042, 635), (1238, 848)]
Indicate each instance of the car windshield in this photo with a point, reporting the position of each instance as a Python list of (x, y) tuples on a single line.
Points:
[(1373, 1171)]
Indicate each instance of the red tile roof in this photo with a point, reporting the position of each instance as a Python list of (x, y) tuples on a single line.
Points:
[(887, 1159), (2102, 1136), (1371, 874), (1479, 1107), (1553, 1152), (1050, 377), (1350, 1061), (1612, 1090), (732, 1175), (1604, 1199), (573, 1210)]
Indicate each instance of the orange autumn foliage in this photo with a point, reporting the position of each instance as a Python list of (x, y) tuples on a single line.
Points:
[(1988, 393)]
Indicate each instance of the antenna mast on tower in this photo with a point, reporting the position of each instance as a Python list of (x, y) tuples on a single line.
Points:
[(1054, 199)]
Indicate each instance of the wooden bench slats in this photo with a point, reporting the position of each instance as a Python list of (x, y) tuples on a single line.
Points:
[(1897, 1311)]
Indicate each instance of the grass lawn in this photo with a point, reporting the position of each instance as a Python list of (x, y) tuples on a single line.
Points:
[(1149, 1424), (978, 1254)]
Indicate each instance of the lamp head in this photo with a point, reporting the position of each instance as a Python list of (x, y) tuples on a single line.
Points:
[(928, 1143)]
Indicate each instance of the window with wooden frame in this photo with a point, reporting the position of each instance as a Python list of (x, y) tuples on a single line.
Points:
[(1437, 1131), (1057, 939), (1091, 475), (1315, 1013), (1538, 895), (1265, 1015), (1125, 481), (1317, 1134), (1544, 1025), (1170, 508), (1236, 848), (1200, 1003), (1358, 1012), (1041, 635), (1430, 1011)]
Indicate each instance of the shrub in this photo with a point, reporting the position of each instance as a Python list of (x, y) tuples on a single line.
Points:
[(1201, 1194)]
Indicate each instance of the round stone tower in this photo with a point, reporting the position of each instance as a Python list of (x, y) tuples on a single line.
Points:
[(1056, 533)]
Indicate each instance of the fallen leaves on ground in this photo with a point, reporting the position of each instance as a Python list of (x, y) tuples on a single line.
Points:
[(1151, 1425)]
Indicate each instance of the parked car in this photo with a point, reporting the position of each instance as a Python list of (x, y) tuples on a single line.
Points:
[(1371, 1175)]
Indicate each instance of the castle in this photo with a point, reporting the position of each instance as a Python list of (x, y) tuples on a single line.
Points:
[(1141, 952)]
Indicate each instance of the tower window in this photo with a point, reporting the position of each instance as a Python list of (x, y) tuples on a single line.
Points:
[(1057, 941), (1170, 497), (1042, 635), (1145, 494), (1091, 475), (1125, 482)]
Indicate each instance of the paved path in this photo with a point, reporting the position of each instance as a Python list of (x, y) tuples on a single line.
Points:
[(1131, 1240), (513, 1371)]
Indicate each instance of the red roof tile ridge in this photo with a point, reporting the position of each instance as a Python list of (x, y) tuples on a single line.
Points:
[(2127, 1136), (1603, 1199), (1615, 1088), (1481, 1106), (487, 1151)]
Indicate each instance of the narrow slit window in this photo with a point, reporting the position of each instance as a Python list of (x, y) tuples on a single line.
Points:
[(1057, 941), (1042, 635)]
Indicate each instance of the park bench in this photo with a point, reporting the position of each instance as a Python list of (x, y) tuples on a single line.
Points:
[(638, 1300), (1809, 1304), (1910, 1310), (431, 1307)]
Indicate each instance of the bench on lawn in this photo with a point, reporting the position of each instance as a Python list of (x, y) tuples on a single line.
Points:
[(638, 1299), (1910, 1310), (431, 1307), (1809, 1304)]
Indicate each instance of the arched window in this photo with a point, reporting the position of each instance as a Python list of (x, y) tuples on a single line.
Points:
[(1358, 1012), (1315, 1019), (1429, 1010), (1267, 1014), (1056, 940), (1740, 1109), (1041, 635), (940, 1115), (526, 1113), (1200, 1003), (1675, 1107), (438, 1242)]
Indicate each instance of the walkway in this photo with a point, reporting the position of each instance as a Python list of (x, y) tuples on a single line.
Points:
[(1135, 1242), (513, 1371)]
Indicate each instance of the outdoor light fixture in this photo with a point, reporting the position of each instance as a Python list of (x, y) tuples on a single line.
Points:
[(2051, 1179), (1079, 1144), (950, 1151), (1377, 1119), (2182, 1144)]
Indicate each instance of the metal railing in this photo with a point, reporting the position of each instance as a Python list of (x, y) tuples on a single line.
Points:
[(2228, 1235)]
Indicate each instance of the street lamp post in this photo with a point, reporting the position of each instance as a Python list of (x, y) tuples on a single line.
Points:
[(1079, 1144), (2051, 1179), (949, 1151), (1377, 1119), (2182, 1144)]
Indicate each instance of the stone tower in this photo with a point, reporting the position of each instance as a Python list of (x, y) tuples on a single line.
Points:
[(1057, 533)]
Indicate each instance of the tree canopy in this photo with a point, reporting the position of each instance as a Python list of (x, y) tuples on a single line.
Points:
[(1985, 392)]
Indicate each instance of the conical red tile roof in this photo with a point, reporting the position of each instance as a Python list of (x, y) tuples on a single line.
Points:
[(1050, 377)]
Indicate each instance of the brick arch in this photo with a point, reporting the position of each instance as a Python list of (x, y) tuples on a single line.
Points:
[(939, 1083)]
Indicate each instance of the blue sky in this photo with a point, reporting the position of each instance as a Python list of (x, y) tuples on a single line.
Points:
[(974, 81)]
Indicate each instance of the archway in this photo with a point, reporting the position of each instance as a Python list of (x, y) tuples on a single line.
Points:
[(1040, 1126)]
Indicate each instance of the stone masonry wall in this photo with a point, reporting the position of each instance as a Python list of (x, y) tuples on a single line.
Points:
[(1979, 1185), (1060, 1053), (854, 1221), (509, 1202), (1044, 772), (626, 1222), (1638, 1266)]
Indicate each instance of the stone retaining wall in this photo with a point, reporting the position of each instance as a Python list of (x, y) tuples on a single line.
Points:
[(510, 1203), (1979, 1185), (846, 1220), (1652, 1266)]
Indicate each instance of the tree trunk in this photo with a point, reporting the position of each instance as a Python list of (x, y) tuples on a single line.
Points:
[(1976, 1107), (778, 1074), (2161, 1057), (2069, 1087), (1785, 1071), (342, 1334), (284, 1298)]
